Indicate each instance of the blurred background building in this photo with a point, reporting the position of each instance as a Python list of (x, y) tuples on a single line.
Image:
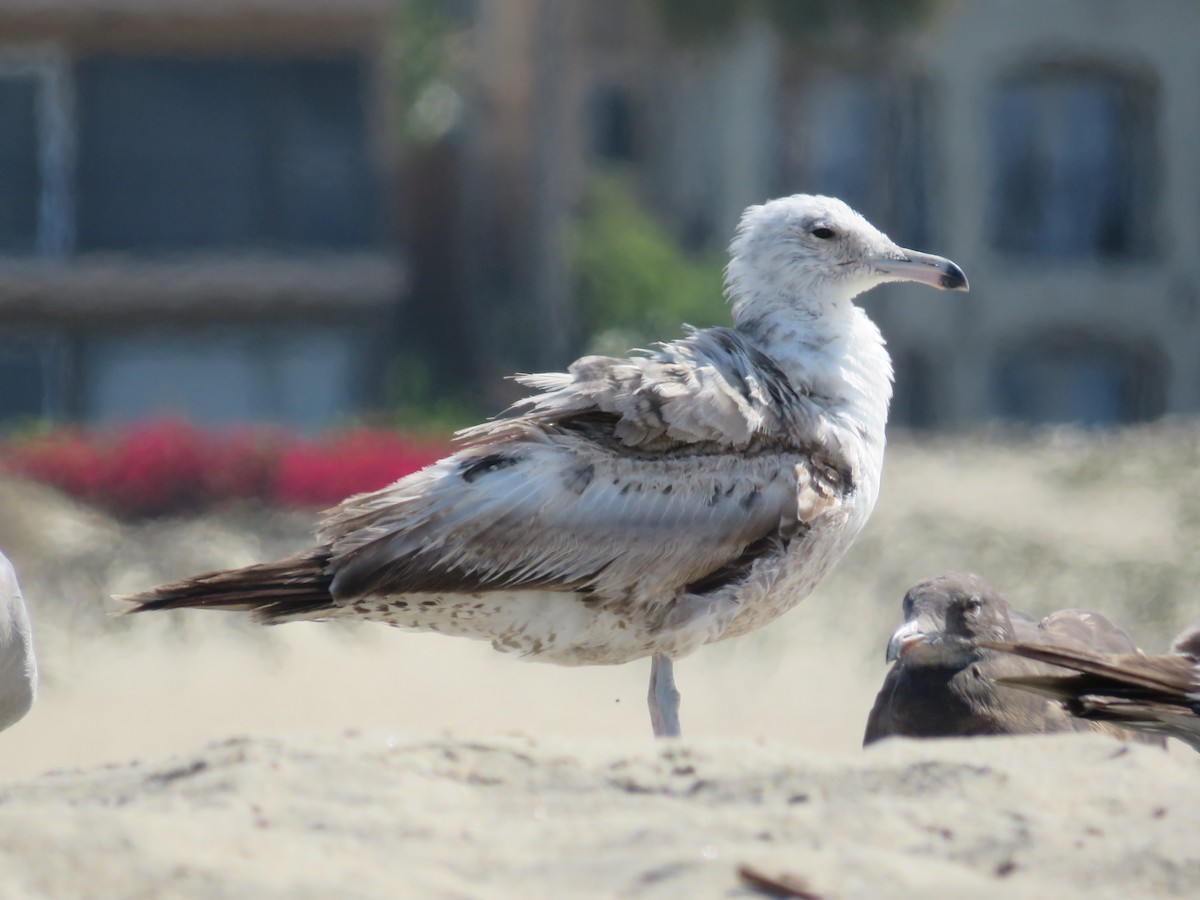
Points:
[(194, 207), (204, 206)]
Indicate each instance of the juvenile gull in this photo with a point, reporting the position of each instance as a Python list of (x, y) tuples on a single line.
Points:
[(18, 668), (943, 683), (1158, 695), (642, 506)]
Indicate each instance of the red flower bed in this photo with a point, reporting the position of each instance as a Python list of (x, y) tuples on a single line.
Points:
[(173, 467), (67, 460), (324, 472)]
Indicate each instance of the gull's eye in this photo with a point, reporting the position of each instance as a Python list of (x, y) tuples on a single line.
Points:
[(823, 233), (974, 604)]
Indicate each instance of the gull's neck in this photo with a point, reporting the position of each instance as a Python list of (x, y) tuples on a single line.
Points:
[(835, 354)]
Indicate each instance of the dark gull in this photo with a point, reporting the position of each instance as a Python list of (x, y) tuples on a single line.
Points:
[(943, 682), (1158, 695), (642, 506), (18, 667)]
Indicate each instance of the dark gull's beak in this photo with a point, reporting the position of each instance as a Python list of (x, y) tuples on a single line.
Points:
[(925, 268), (904, 639)]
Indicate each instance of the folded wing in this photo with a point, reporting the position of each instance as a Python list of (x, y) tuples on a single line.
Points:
[(645, 474)]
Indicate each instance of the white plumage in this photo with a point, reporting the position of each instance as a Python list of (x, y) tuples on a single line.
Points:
[(18, 667), (642, 506)]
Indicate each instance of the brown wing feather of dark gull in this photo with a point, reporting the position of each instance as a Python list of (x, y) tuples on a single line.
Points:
[(635, 507), (1156, 694), (944, 680)]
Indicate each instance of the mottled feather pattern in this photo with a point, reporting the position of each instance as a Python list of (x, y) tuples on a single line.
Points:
[(567, 515), (713, 470), (638, 506), (709, 392), (1154, 694)]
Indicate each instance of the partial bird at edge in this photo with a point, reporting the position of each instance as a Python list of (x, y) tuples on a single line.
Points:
[(18, 665)]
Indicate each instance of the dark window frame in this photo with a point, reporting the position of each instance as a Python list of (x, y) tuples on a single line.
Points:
[(48, 66)]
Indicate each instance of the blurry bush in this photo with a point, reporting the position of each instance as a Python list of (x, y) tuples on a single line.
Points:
[(634, 282), (425, 50), (170, 467), (421, 406)]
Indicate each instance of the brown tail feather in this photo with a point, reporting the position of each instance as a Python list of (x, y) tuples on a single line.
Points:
[(292, 588)]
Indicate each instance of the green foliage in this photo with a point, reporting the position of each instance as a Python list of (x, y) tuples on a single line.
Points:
[(420, 63), (634, 284), (418, 405)]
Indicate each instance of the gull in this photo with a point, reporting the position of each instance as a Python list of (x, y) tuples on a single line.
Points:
[(18, 667), (945, 682), (1159, 695), (642, 506)]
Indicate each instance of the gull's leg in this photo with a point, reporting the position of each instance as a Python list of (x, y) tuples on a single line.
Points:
[(663, 697)]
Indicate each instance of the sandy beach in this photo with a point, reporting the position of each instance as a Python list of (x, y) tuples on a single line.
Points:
[(195, 755)]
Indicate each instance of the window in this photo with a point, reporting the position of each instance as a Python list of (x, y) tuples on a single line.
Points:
[(223, 154), (1071, 168), (20, 175), (611, 123), (32, 371), (33, 152), (306, 376), (1075, 378), (866, 140)]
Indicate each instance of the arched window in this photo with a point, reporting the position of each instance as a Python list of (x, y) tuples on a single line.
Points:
[(864, 137), (1072, 161), (1088, 380)]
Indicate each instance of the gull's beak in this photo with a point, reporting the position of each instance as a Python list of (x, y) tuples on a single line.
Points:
[(935, 271), (904, 639)]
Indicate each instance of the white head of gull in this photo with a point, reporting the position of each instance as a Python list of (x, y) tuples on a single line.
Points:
[(18, 667), (642, 506)]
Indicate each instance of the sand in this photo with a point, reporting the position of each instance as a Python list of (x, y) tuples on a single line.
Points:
[(402, 815), (191, 755)]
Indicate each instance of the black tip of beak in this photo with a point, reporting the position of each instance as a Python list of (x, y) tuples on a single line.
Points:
[(953, 278)]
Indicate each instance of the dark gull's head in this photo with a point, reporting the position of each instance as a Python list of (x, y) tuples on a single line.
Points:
[(811, 252), (945, 616)]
